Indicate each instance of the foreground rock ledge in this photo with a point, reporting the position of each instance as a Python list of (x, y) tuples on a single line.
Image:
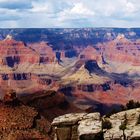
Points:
[(77, 126), (83, 126)]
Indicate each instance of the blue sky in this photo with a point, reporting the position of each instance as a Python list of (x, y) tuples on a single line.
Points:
[(69, 13)]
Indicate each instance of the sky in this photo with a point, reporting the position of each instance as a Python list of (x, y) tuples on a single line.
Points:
[(69, 13)]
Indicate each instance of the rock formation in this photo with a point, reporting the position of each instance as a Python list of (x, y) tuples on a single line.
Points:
[(131, 131), (121, 50), (47, 55), (50, 104), (15, 52), (18, 121), (77, 126), (105, 72), (10, 96), (91, 126)]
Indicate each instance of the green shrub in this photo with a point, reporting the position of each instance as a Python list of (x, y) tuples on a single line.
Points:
[(131, 105), (124, 123), (122, 126)]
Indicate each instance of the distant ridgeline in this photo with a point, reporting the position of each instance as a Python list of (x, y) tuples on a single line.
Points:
[(67, 38)]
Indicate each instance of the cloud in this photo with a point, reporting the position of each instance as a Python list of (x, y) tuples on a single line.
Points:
[(15, 4), (80, 9), (73, 13), (8, 14), (130, 7), (41, 7)]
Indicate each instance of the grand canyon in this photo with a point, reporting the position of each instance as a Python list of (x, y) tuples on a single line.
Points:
[(59, 71), (91, 67)]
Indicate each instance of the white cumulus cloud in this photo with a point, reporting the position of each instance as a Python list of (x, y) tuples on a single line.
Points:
[(80, 8), (73, 13)]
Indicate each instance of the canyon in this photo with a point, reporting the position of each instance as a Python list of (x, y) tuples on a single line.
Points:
[(60, 83), (95, 69)]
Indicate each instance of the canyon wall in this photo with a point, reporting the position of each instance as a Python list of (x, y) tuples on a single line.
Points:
[(104, 72)]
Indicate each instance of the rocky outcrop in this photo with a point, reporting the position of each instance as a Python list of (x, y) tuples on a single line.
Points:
[(10, 97), (14, 52), (121, 50), (120, 126), (50, 104), (19, 121), (77, 126), (46, 53), (131, 130), (90, 53)]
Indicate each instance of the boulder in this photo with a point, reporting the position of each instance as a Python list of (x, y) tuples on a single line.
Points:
[(80, 126)]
